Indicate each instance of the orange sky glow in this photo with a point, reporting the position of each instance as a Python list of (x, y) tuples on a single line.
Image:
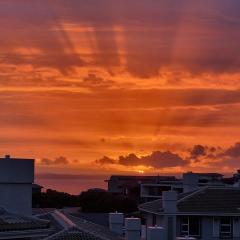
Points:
[(100, 87)]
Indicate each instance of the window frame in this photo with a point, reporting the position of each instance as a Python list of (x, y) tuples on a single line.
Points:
[(154, 220), (230, 225), (186, 233)]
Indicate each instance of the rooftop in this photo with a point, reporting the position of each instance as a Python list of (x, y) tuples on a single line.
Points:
[(136, 179), (73, 234), (208, 200), (69, 227), (10, 170), (11, 222), (98, 231), (12, 226), (8, 157), (210, 174)]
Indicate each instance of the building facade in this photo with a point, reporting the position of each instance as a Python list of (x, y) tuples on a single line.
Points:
[(209, 213), (16, 178)]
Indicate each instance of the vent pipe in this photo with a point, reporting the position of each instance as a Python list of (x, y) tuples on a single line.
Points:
[(116, 222)]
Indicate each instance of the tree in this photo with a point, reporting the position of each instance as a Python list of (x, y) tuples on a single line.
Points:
[(95, 201)]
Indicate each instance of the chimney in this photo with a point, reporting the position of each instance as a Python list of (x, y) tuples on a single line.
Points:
[(169, 201), (156, 233), (116, 222), (190, 182), (133, 228)]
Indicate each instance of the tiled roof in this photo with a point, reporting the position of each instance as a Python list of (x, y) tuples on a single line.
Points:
[(224, 200), (207, 200), (98, 218), (152, 207), (74, 228), (40, 211), (156, 205), (13, 222), (74, 234), (95, 229)]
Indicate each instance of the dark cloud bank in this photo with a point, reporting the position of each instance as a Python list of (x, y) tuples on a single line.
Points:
[(229, 157), (57, 161)]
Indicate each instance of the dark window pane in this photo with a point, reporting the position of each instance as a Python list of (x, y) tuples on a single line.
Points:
[(184, 220), (225, 227), (154, 220), (190, 226), (194, 226), (225, 220), (184, 228)]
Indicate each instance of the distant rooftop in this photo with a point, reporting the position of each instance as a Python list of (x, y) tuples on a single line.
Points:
[(141, 178), (210, 174)]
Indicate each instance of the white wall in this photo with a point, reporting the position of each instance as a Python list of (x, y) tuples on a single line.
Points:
[(16, 198), (16, 178), (15, 170)]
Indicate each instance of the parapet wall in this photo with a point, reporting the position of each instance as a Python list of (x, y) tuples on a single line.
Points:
[(13, 170)]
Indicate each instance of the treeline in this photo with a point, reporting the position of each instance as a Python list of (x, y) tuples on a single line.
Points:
[(54, 199), (89, 201)]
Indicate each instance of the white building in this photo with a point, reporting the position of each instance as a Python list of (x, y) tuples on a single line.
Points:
[(208, 213), (16, 178), (190, 181), (153, 191)]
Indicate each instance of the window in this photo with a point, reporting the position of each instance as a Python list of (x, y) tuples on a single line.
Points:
[(225, 227), (190, 226), (154, 220), (152, 191)]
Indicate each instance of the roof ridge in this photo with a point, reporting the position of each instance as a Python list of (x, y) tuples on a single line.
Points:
[(192, 194), (224, 187), (142, 204)]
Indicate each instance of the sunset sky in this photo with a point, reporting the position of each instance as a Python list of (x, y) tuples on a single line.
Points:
[(100, 87)]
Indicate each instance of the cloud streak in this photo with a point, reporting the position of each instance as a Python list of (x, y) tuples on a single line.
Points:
[(138, 40)]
